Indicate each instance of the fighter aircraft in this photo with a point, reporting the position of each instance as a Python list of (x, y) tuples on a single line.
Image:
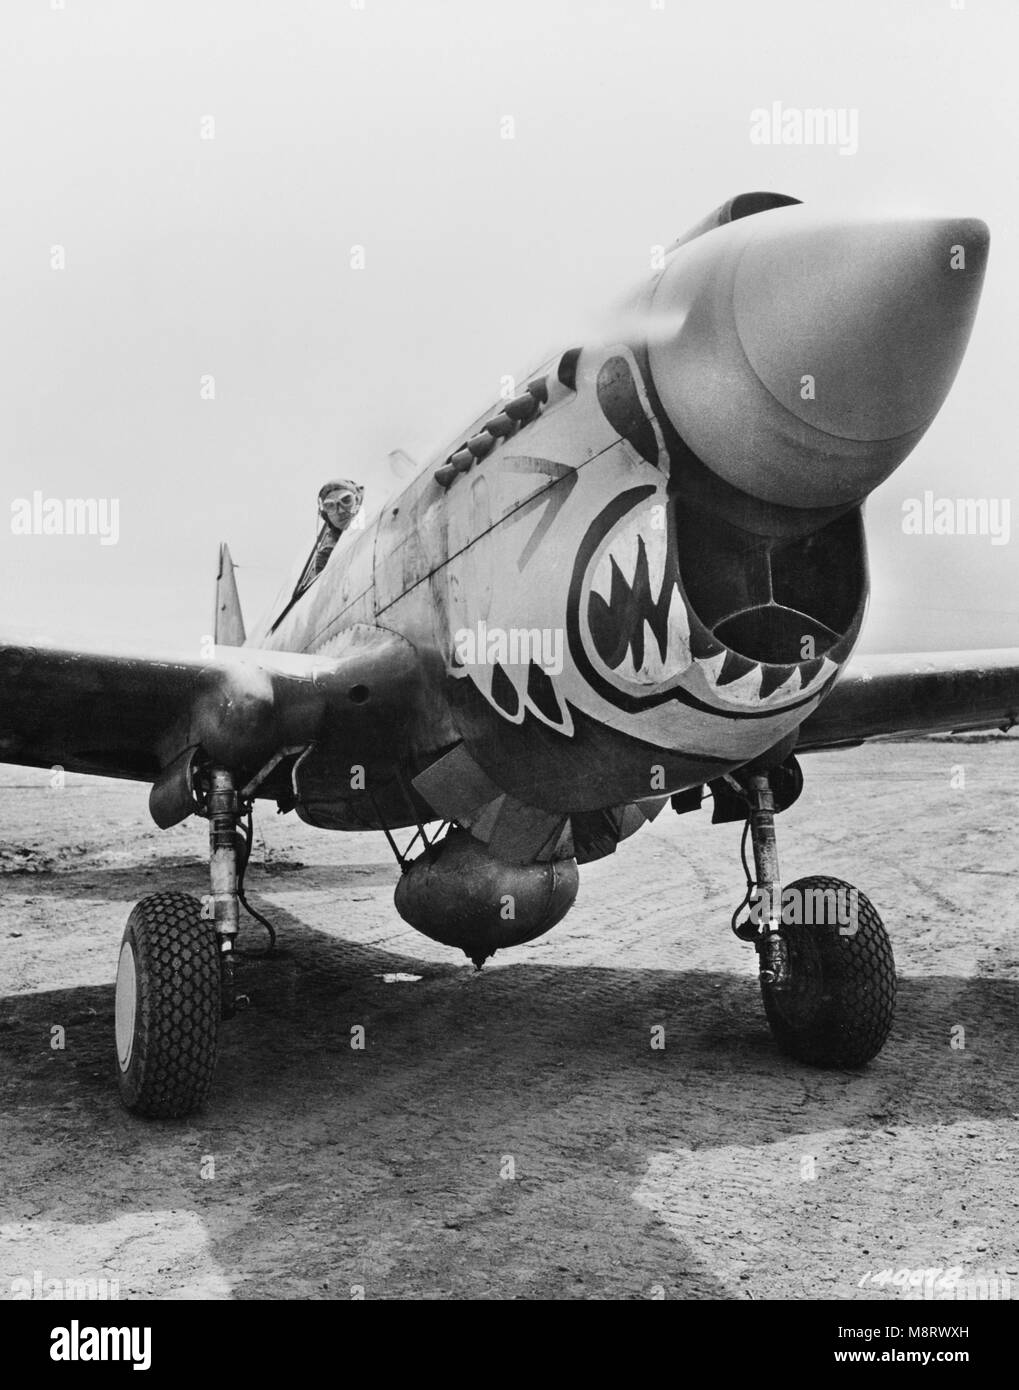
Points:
[(638, 581)]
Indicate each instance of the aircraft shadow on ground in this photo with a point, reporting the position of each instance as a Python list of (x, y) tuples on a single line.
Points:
[(186, 874), (551, 1062)]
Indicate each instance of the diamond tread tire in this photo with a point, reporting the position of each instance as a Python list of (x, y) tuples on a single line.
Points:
[(839, 1008), (167, 1007)]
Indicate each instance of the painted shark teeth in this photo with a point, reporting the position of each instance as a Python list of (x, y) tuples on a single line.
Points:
[(679, 657), (654, 668), (625, 553), (516, 692), (743, 685), (745, 689), (643, 633), (711, 666), (637, 615)]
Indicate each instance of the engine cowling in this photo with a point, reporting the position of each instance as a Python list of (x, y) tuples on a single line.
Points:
[(457, 893)]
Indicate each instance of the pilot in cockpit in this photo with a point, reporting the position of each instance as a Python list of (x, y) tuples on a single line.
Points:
[(338, 504)]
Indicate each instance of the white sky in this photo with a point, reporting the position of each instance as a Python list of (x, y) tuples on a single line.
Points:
[(381, 126)]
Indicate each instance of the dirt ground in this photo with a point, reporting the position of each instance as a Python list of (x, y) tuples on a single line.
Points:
[(513, 1134)]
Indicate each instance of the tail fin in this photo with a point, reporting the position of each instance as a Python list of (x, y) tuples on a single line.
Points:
[(228, 624)]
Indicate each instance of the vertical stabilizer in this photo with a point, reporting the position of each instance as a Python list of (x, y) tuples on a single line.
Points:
[(228, 627)]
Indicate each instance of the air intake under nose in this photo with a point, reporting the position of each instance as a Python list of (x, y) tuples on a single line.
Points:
[(772, 601), (773, 634)]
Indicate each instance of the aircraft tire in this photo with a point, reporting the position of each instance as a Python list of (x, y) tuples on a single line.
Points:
[(167, 1007), (840, 1004)]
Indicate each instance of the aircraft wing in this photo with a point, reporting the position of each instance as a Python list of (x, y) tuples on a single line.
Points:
[(922, 693), (132, 715)]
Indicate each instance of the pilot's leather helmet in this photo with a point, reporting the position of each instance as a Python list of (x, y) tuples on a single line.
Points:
[(339, 502)]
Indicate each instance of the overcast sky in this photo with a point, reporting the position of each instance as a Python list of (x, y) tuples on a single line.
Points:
[(382, 127)]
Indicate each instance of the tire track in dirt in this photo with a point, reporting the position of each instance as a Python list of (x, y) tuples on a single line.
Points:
[(512, 1133)]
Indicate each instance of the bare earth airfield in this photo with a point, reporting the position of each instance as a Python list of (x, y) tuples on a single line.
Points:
[(513, 1133)]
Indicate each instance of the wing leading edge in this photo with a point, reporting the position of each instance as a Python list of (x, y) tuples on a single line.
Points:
[(132, 715), (927, 692)]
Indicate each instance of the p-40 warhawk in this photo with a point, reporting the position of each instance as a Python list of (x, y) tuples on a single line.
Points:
[(642, 576)]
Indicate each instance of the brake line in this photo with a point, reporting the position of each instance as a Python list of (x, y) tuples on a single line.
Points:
[(248, 836), (751, 881)]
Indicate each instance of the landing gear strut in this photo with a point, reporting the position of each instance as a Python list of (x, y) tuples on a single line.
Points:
[(826, 967), (770, 943), (175, 979), (224, 818)]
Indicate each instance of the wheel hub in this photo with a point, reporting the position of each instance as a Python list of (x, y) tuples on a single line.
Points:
[(126, 1005)]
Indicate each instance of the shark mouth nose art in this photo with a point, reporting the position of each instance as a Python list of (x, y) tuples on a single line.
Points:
[(756, 628)]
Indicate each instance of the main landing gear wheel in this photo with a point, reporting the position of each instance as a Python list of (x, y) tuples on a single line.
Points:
[(837, 1004), (168, 1007)]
